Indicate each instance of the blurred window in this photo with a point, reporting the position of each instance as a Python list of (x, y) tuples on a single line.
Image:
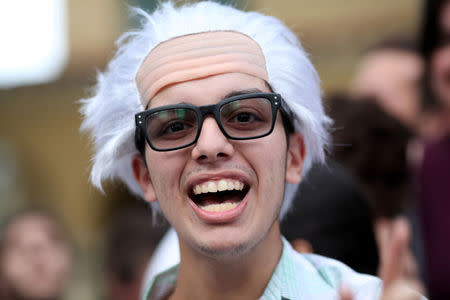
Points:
[(33, 41)]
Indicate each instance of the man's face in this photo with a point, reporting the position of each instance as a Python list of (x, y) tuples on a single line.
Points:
[(392, 77), (259, 166), (36, 260)]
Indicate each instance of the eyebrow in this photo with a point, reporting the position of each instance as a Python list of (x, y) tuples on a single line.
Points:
[(242, 92), (231, 94)]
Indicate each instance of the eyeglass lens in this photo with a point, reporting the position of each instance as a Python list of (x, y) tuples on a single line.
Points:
[(178, 127)]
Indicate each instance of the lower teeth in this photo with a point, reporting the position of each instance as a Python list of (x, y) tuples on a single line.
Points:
[(219, 207)]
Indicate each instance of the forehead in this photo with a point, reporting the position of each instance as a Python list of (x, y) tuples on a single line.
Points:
[(29, 225), (209, 90), (196, 57), (384, 64)]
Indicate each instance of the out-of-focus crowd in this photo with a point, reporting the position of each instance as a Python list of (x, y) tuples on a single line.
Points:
[(390, 164)]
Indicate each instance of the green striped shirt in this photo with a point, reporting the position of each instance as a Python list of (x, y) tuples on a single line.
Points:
[(296, 276)]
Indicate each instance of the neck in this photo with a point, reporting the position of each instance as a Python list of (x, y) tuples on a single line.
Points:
[(241, 277)]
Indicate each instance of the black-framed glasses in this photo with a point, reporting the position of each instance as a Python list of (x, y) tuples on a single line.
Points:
[(242, 117)]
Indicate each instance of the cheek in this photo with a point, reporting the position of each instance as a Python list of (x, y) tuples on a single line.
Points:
[(267, 157), (16, 265), (60, 259), (165, 171)]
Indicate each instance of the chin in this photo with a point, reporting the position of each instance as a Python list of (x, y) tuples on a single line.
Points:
[(224, 250), (226, 244)]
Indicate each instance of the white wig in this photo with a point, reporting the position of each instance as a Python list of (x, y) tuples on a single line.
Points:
[(109, 113)]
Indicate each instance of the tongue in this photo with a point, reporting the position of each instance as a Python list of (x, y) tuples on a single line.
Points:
[(223, 197)]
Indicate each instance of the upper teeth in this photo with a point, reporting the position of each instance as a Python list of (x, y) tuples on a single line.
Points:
[(218, 186)]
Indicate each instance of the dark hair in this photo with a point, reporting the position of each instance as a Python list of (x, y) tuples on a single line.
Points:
[(139, 141), (330, 211), (432, 34), (433, 37), (372, 145), (130, 241), (397, 43)]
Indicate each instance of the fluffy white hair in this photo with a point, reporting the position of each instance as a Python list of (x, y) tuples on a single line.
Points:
[(109, 113)]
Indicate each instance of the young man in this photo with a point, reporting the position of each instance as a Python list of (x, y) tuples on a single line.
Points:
[(227, 119)]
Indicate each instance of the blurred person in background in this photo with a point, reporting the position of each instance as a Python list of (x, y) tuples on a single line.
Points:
[(372, 145), (129, 244), (36, 257), (331, 217), (390, 73), (434, 174)]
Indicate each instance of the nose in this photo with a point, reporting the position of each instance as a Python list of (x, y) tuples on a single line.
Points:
[(211, 145)]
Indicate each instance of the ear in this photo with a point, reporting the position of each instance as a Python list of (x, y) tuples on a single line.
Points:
[(142, 176), (295, 157)]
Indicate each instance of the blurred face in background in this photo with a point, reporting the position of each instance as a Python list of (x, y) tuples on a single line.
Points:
[(36, 259), (391, 77)]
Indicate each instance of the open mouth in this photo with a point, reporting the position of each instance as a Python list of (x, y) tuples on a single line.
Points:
[(219, 196)]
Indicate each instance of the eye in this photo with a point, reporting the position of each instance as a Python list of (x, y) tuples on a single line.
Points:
[(246, 112), (171, 124), (244, 117), (175, 127)]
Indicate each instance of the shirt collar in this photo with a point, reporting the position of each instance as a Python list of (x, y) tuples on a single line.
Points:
[(283, 285)]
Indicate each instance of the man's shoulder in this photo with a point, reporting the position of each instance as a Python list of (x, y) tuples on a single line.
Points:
[(309, 275), (335, 273)]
